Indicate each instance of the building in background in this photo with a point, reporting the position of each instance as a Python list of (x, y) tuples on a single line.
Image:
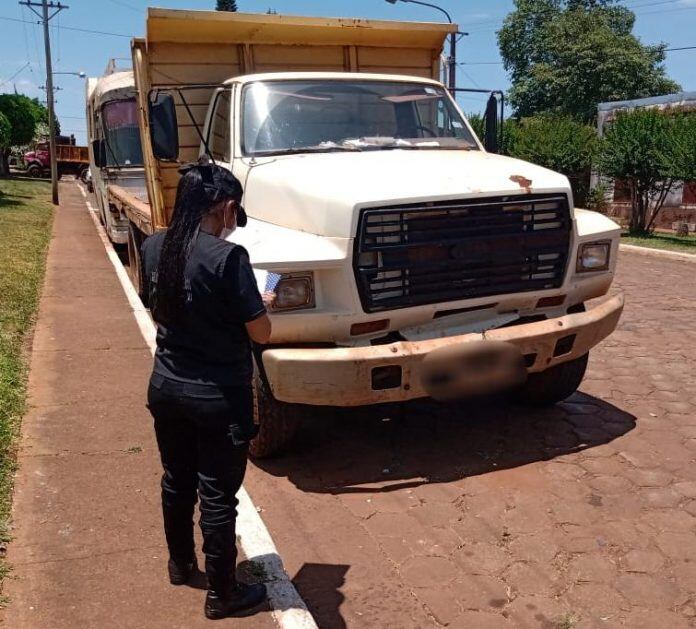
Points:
[(680, 205)]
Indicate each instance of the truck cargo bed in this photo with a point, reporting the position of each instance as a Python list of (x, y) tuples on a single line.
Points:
[(133, 202)]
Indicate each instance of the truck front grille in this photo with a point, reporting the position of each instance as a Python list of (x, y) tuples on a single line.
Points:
[(425, 253)]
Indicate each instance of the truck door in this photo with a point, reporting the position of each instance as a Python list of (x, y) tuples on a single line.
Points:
[(218, 131)]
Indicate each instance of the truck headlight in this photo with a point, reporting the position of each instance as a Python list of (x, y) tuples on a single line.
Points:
[(295, 291), (593, 256)]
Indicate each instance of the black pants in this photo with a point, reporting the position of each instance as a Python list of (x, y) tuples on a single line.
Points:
[(203, 441)]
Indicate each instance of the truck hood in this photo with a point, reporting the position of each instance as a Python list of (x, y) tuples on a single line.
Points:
[(323, 193)]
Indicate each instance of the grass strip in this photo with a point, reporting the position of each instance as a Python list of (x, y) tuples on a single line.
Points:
[(26, 214), (683, 244)]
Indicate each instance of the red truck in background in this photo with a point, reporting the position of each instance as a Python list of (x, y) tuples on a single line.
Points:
[(72, 159)]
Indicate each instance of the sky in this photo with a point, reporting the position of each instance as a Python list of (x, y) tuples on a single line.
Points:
[(22, 58)]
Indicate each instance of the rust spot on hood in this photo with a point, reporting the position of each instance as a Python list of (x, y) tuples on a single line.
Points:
[(522, 182)]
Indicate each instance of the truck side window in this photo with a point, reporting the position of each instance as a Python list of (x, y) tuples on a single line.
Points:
[(219, 133)]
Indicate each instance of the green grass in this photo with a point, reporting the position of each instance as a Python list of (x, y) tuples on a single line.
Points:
[(684, 244), (26, 214)]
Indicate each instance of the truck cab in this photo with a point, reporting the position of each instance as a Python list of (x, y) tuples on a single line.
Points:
[(115, 152), (396, 234)]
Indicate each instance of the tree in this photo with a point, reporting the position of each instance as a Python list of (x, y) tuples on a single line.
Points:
[(650, 151), (5, 130), (554, 141), (682, 161), (559, 143), (226, 5), (568, 55), (23, 114)]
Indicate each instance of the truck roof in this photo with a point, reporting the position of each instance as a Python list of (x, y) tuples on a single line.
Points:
[(113, 84), (337, 76)]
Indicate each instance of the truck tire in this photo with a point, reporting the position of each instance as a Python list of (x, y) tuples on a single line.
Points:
[(82, 175), (35, 171), (277, 421), (546, 388), (135, 266)]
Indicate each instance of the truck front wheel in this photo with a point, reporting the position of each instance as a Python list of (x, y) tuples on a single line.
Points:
[(277, 422), (34, 171), (555, 384)]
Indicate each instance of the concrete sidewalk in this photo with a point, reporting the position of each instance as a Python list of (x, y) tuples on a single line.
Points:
[(88, 548)]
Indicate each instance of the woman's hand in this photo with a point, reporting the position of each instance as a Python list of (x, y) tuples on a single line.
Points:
[(268, 299)]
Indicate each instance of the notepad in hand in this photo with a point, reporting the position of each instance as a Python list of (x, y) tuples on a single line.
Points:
[(266, 281), (272, 281)]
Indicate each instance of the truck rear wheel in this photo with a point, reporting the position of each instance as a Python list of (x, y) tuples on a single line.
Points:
[(555, 384), (135, 267), (277, 421)]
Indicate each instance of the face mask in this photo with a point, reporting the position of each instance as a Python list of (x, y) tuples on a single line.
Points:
[(226, 231)]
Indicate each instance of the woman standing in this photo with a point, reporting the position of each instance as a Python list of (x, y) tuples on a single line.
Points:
[(203, 296)]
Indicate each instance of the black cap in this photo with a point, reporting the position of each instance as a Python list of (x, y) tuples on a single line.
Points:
[(219, 184)]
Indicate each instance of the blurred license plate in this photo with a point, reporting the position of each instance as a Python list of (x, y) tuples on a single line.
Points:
[(477, 368)]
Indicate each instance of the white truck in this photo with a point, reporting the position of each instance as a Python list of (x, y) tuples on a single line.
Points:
[(115, 154), (414, 262)]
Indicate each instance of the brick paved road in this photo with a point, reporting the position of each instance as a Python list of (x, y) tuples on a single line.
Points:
[(492, 516)]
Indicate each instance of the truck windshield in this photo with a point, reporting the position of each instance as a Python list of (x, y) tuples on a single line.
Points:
[(334, 115), (121, 133)]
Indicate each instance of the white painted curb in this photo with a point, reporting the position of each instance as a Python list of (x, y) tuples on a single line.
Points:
[(288, 608), (659, 253)]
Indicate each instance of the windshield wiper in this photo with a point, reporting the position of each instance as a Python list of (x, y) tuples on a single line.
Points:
[(417, 147), (307, 149)]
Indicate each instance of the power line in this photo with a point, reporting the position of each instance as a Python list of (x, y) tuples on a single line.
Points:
[(26, 42), (666, 11), (28, 63), (69, 28), (632, 5), (681, 48), (471, 78), (126, 5), (56, 32), (36, 41)]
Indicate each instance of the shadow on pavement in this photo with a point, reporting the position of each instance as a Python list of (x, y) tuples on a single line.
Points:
[(384, 449), (319, 586)]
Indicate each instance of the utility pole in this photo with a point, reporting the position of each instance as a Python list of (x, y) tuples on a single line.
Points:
[(452, 59), (56, 7)]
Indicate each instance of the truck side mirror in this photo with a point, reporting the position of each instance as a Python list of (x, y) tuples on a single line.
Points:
[(164, 132), (490, 120), (99, 152)]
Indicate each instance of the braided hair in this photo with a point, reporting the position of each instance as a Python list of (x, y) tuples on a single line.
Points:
[(201, 187)]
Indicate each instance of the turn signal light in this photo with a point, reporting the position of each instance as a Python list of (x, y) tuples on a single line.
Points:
[(369, 327), (550, 302)]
